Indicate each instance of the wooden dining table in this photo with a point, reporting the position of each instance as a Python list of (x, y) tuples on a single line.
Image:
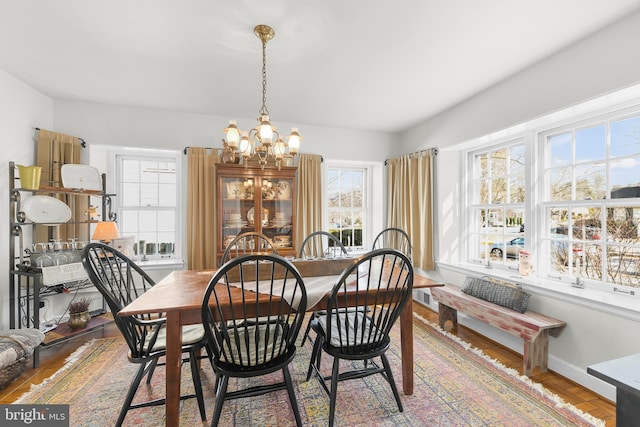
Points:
[(180, 294)]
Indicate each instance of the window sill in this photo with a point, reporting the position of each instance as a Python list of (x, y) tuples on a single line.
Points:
[(158, 264), (622, 305)]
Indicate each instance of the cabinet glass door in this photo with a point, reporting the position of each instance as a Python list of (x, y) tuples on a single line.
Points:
[(277, 207), (237, 208)]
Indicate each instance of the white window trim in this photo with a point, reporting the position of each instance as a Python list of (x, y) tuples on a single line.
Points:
[(605, 300), (374, 212), (175, 155)]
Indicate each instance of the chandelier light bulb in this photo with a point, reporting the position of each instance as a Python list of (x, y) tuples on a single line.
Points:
[(294, 141), (245, 145), (233, 134), (265, 130), (279, 149)]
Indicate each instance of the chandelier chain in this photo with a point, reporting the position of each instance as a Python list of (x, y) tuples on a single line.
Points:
[(264, 111)]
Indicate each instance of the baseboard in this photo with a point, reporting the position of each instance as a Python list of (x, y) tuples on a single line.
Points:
[(556, 364), (560, 366)]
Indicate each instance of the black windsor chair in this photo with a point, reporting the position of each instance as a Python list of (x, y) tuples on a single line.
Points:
[(395, 238), (248, 243), (120, 281), (320, 244), (255, 336), (384, 278)]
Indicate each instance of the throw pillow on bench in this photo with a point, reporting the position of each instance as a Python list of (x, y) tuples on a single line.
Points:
[(501, 293)]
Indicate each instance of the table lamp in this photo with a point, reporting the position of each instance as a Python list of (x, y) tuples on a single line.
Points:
[(106, 231)]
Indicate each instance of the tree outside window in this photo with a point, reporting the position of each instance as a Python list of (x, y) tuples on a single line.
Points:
[(592, 201), (346, 189), (497, 204)]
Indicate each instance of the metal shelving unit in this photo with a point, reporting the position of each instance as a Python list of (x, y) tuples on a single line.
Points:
[(26, 287)]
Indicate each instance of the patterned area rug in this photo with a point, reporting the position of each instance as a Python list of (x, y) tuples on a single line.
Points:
[(455, 385)]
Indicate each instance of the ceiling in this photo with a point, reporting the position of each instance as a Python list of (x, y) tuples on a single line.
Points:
[(361, 64)]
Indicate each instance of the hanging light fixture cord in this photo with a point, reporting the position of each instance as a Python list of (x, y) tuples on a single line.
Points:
[(264, 111)]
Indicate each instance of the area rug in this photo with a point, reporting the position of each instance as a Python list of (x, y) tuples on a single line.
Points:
[(455, 385)]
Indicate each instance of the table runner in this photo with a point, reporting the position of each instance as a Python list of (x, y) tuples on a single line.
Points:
[(317, 287)]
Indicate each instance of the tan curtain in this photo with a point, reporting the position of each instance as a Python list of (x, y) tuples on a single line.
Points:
[(201, 208), (54, 150), (309, 197), (410, 200)]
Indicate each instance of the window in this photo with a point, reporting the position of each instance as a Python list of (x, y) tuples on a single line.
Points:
[(497, 203), (591, 200), (148, 203), (347, 201), (583, 199)]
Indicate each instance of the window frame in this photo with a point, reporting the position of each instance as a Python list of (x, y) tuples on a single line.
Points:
[(118, 155), (584, 115), (473, 225), (574, 275), (369, 220)]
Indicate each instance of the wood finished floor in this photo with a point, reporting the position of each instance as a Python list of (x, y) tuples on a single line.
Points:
[(53, 358)]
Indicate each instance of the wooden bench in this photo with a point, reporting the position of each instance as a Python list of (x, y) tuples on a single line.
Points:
[(533, 328)]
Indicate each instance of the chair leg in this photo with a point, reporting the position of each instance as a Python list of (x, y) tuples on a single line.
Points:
[(133, 388), (292, 395), (307, 330), (392, 382), (152, 369), (197, 383), (314, 355), (221, 392), (334, 390)]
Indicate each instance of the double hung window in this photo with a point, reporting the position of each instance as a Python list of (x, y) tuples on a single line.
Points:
[(148, 203), (348, 205), (591, 200), (496, 205), (584, 194)]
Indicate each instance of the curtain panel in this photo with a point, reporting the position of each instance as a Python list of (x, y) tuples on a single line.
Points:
[(201, 208), (309, 197), (410, 203), (54, 150)]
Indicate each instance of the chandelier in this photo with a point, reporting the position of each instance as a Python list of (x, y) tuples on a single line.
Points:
[(263, 142)]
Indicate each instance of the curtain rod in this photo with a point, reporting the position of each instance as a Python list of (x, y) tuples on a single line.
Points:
[(433, 151), (187, 149), (83, 143)]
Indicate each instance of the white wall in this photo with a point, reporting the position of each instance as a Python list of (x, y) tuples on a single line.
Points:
[(601, 64), (148, 128), (21, 110)]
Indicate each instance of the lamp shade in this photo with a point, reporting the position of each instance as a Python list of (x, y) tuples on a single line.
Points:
[(106, 231)]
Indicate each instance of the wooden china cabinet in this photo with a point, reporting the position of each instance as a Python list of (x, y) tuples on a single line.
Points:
[(253, 199)]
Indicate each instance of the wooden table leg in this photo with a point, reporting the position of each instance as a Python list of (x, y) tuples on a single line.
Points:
[(174, 356), (406, 346)]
